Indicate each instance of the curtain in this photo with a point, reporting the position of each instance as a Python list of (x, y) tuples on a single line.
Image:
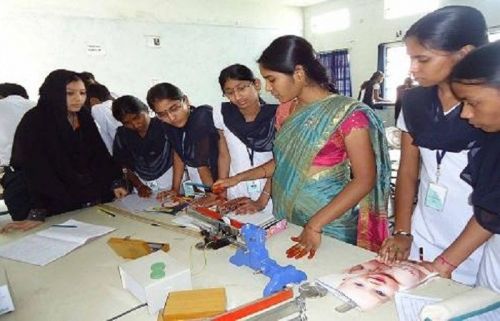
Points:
[(381, 62), (338, 69)]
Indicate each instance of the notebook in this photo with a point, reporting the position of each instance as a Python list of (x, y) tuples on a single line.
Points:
[(52, 243)]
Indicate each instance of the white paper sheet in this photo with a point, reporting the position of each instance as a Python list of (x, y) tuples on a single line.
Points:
[(48, 245), (259, 218), (81, 234), (134, 203), (409, 305)]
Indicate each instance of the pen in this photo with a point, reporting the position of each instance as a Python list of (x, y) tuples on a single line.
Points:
[(107, 212), (421, 253), (66, 226)]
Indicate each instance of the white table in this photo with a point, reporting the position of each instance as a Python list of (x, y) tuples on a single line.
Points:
[(85, 284)]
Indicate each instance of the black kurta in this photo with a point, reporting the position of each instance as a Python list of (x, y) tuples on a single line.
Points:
[(65, 169)]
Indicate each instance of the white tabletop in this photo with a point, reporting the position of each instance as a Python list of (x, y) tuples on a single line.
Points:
[(86, 285)]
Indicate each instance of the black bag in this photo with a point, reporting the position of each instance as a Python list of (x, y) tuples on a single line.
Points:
[(16, 194)]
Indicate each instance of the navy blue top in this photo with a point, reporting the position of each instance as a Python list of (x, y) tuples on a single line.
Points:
[(197, 143), (149, 156)]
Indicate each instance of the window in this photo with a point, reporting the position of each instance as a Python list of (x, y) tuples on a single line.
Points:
[(331, 21), (394, 9), (338, 69), (494, 35), (396, 68)]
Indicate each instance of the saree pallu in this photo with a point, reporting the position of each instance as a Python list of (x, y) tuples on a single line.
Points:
[(297, 196)]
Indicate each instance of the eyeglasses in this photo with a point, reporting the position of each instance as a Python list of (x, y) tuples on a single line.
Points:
[(172, 110), (236, 90)]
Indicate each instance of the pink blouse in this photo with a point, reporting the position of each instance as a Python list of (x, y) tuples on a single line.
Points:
[(334, 151)]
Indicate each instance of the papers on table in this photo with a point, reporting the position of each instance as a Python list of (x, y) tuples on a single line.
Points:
[(260, 218), (409, 305), (409, 308), (135, 203), (50, 244)]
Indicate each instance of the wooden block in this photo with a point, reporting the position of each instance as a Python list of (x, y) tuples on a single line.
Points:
[(194, 304), (133, 249)]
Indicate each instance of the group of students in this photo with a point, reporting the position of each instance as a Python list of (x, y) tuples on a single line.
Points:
[(322, 157)]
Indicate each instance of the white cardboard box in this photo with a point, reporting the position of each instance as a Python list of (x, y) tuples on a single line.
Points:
[(6, 304), (136, 277)]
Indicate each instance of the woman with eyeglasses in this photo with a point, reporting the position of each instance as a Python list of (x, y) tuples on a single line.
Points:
[(325, 139), (196, 142), (141, 147), (248, 127)]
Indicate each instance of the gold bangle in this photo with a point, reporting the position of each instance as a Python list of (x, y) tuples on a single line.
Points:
[(403, 233)]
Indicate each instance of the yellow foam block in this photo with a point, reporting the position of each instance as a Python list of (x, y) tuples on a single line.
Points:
[(194, 304)]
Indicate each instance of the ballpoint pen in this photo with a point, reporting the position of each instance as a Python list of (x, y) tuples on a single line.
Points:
[(65, 226)]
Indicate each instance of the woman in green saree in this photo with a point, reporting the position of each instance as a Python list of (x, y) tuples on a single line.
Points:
[(330, 172)]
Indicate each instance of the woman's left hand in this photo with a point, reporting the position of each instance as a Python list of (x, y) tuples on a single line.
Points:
[(307, 242), (245, 205), (20, 226), (120, 192), (248, 206), (208, 200), (443, 270)]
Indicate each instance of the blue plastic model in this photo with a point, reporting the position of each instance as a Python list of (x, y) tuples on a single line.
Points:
[(256, 257)]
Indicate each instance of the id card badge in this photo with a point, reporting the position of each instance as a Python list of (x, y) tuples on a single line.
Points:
[(436, 196), (253, 187), (188, 188)]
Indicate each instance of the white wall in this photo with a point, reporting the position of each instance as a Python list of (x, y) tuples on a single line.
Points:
[(198, 39), (369, 28)]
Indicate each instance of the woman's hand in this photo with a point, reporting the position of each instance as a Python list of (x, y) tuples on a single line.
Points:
[(224, 183), (437, 267), (395, 248), (208, 200), (20, 226), (248, 206), (307, 242), (120, 192), (144, 191), (163, 195), (441, 265), (242, 205)]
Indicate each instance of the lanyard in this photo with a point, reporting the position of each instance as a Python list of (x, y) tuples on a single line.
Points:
[(184, 156), (439, 159), (183, 143), (250, 152)]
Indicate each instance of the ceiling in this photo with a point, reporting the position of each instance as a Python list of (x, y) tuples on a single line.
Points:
[(296, 3), (301, 3)]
